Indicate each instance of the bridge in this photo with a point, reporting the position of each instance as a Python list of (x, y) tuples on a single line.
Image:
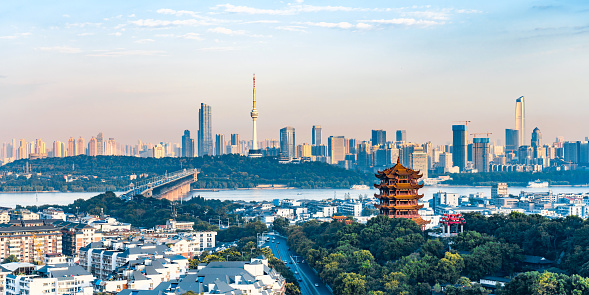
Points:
[(171, 186)]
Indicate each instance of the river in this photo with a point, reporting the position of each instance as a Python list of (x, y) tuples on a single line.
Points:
[(58, 198)]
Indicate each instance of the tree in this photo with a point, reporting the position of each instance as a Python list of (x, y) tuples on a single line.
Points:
[(10, 258), (350, 284), (280, 224), (449, 268), (292, 289), (433, 248)]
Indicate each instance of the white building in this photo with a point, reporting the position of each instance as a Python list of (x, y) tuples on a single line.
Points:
[(52, 279), (191, 244), (351, 209), (444, 199), (52, 213)]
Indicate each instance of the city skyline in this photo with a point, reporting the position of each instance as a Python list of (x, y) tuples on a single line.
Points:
[(146, 67)]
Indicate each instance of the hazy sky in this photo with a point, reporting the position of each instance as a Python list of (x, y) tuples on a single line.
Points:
[(140, 69)]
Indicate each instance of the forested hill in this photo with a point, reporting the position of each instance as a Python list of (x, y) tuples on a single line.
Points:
[(227, 171)]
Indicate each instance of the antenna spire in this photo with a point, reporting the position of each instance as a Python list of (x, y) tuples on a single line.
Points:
[(254, 91)]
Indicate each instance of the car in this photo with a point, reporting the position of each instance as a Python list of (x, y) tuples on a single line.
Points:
[(296, 272), (300, 280), (316, 285), (277, 242)]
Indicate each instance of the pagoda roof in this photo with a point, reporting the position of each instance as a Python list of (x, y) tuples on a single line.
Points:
[(420, 221), (400, 186), (398, 170), (400, 207), (399, 197)]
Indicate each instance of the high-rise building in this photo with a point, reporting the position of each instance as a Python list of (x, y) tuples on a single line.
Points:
[(81, 146), (401, 135), (57, 151), (316, 135), (99, 144), (287, 142), (71, 147), (379, 137), (536, 138), (336, 149), (520, 118), (480, 154), (220, 145), (235, 139), (187, 145), (459, 146), (205, 131), (419, 161), (255, 151), (92, 147), (511, 140), (304, 151)]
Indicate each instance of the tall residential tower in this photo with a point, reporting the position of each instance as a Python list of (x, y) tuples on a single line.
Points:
[(205, 131)]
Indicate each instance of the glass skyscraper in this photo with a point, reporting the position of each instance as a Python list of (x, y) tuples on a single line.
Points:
[(205, 131), (287, 142), (459, 146)]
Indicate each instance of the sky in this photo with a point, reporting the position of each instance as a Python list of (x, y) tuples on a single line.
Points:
[(140, 69)]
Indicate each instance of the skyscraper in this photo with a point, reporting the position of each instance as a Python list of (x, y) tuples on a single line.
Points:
[(536, 138), (187, 145), (81, 146), (71, 147), (255, 152), (379, 137), (57, 151), (419, 161), (205, 131), (92, 147), (336, 148), (511, 140), (287, 142), (99, 144), (520, 118), (401, 135), (220, 146), (234, 139), (316, 135), (459, 146), (480, 154)]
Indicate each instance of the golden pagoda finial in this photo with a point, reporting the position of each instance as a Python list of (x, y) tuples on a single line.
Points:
[(398, 161)]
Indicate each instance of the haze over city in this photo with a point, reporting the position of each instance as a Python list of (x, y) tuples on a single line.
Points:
[(138, 70)]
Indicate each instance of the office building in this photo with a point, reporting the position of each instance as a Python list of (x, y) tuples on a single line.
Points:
[(205, 131), (419, 161), (316, 135), (401, 135), (379, 137), (220, 146), (480, 151), (511, 140), (304, 151), (336, 149), (459, 146), (520, 118), (187, 145), (536, 138), (287, 142), (499, 190), (235, 139)]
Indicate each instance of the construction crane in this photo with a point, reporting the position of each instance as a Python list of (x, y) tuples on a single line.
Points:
[(475, 134), (37, 247)]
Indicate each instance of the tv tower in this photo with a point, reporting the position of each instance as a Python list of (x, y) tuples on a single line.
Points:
[(254, 152)]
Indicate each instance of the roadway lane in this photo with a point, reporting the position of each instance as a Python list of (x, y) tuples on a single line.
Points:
[(306, 276)]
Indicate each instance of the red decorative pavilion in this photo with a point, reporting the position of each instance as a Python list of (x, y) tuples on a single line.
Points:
[(399, 193), (448, 220)]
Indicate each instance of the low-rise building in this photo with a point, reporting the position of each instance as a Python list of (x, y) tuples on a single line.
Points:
[(76, 235), (174, 225), (51, 279)]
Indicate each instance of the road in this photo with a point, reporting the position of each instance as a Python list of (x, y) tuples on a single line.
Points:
[(303, 272)]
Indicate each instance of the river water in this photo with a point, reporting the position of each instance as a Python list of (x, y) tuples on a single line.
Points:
[(58, 198)]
